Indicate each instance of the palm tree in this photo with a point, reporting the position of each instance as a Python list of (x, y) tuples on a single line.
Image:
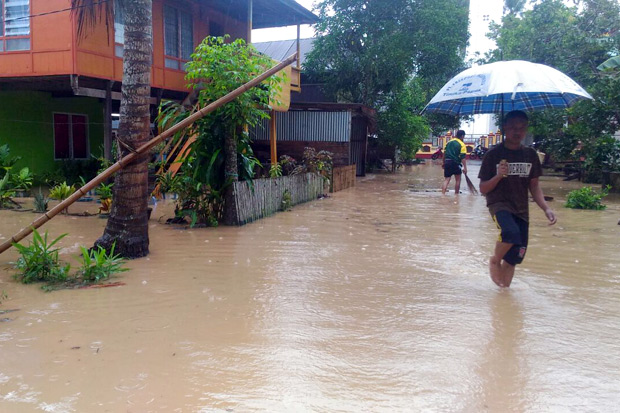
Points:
[(128, 222)]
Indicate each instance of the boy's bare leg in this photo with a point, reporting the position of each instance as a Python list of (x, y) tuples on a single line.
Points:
[(457, 184), (444, 187), (507, 272), (495, 263)]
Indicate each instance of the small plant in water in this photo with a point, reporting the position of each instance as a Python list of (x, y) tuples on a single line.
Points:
[(586, 198), (168, 182), (98, 264), (40, 202), (105, 196), (287, 203), (61, 192), (39, 261)]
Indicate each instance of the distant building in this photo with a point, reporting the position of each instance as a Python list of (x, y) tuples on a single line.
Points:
[(313, 120)]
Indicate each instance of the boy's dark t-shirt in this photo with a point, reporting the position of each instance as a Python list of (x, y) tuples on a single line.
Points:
[(511, 193)]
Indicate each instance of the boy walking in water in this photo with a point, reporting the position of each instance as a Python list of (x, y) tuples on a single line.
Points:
[(452, 160), (507, 172)]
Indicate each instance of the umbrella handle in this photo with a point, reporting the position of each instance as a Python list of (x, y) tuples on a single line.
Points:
[(514, 92)]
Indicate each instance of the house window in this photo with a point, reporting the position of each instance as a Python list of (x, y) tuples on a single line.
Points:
[(14, 25), (119, 31), (70, 136), (178, 37)]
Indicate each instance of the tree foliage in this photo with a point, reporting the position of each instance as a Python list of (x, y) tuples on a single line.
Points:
[(575, 40), (221, 153), (368, 52)]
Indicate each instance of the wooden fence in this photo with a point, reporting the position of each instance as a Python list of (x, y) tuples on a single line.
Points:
[(343, 177), (265, 198)]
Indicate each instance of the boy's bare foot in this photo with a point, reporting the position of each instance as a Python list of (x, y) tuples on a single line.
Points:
[(495, 269)]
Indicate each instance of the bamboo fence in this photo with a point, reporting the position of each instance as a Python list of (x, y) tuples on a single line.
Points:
[(128, 159), (265, 196)]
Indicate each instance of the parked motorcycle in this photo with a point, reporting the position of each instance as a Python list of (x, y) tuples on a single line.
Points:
[(437, 155), (478, 152)]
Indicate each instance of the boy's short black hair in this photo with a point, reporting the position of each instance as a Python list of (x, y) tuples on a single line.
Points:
[(515, 114), (460, 134)]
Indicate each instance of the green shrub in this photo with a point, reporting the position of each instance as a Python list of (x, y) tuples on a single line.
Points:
[(287, 202), (6, 160), (61, 191), (586, 198), (275, 170), (98, 264), (104, 191), (168, 182), (23, 180), (7, 191), (39, 261)]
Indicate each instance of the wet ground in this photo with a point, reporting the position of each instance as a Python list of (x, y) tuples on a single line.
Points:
[(376, 299)]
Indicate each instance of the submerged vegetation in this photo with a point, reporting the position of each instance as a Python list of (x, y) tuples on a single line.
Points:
[(39, 262), (586, 198)]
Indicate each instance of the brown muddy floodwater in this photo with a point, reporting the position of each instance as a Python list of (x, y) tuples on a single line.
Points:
[(376, 299)]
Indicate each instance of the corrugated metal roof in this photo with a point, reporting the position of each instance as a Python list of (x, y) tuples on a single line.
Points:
[(281, 49), (278, 13), (301, 126), (266, 13)]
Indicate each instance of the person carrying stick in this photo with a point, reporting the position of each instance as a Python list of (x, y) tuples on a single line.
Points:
[(453, 160)]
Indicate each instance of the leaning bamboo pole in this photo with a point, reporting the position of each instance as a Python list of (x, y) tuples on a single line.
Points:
[(126, 160)]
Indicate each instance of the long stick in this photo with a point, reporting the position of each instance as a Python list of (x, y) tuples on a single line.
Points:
[(126, 160), (470, 185)]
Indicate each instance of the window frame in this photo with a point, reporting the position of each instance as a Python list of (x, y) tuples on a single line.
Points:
[(71, 146), (178, 59), (4, 37)]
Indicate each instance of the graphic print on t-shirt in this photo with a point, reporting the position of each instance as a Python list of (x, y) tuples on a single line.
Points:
[(521, 169)]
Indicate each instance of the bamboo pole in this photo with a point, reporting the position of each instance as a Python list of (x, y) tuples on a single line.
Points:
[(126, 160)]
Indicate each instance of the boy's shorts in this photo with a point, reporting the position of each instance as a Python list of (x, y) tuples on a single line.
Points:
[(514, 230), (451, 168)]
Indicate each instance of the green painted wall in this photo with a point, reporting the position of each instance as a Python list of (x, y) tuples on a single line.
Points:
[(26, 124)]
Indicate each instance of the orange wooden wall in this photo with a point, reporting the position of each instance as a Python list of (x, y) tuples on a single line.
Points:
[(55, 50), (50, 44)]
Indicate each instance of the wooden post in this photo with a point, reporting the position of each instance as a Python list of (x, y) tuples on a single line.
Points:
[(272, 137), (298, 48)]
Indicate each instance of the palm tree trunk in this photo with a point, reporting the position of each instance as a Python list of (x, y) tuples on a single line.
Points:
[(128, 222)]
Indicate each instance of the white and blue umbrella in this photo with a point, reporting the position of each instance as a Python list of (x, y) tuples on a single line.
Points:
[(504, 86)]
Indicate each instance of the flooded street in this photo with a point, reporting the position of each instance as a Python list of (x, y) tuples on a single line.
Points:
[(376, 299)]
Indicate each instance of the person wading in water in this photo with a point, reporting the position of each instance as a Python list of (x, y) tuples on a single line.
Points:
[(507, 172), (454, 157)]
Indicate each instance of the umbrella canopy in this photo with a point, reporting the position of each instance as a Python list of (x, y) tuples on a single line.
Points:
[(504, 86)]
